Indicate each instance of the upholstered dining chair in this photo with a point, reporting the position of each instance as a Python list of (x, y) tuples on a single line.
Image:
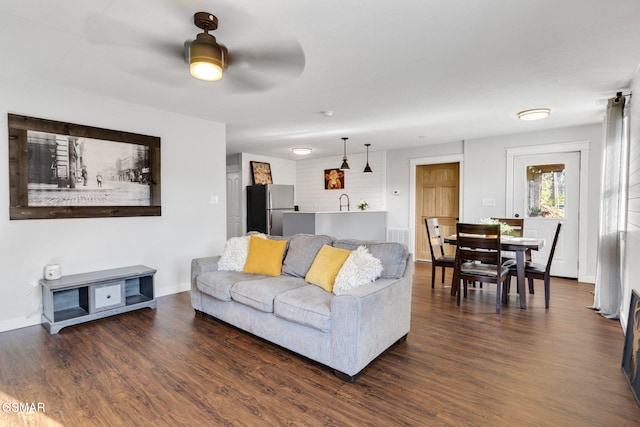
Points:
[(539, 271), (478, 258), (436, 246)]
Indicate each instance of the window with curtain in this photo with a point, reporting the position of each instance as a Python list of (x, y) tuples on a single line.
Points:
[(608, 290)]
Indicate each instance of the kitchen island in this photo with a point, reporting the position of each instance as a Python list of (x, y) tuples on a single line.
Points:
[(362, 225)]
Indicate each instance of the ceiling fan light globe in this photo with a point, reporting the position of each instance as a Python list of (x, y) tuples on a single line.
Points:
[(205, 71), (206, 58)]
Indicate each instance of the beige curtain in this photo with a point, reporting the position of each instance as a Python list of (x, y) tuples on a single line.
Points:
[(608, 290)]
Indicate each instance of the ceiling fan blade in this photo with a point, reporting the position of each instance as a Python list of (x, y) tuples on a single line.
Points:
[(286, 59), (105, 30), (239, 82)]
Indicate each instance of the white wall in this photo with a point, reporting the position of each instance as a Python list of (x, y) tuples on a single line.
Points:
[(399, 161), (310, 192), (192, 170), (484, 176)]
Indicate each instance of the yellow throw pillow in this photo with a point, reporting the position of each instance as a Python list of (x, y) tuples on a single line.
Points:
[(326, 266), (265, 256)]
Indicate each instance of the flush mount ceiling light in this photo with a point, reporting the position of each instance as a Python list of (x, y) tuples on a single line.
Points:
[(301, 151), (345, 165), (367, 169), (207, 59), (535, 114)]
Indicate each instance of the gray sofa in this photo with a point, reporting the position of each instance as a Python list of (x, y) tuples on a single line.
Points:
[(345, 332)]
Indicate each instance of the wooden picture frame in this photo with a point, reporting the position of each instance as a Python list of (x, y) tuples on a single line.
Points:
[(333, 179), (66, 170), (631, 353), (261, 172)]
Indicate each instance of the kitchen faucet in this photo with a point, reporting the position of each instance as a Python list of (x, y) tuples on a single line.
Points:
[(340, 199)]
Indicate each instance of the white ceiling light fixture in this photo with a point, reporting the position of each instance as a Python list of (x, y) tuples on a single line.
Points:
[(534, 114), (345, 165), (301, 151), (367, 169)]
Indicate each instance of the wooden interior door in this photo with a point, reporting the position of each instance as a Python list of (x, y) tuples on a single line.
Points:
[(437, 195)]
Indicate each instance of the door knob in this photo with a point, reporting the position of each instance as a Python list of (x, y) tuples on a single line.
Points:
[(517, 215)]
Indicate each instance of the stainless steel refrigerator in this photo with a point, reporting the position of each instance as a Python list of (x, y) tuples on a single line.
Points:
[(265, 204)]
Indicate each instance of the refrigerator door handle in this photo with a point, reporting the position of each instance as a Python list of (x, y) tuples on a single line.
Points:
[(270, 222), (269, 201)]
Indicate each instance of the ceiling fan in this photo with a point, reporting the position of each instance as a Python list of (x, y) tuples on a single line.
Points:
[(259, 57), (207, 59)]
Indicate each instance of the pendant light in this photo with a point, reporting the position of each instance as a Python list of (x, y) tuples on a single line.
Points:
[(367, 169), (345, 165)]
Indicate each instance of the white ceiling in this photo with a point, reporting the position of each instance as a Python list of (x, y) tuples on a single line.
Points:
[(395, 74)]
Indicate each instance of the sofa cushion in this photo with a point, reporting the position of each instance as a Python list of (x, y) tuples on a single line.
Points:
[(393, 255), (326, 266), (265, 256), (303, 248), (234, 255), (359, 269), (308, 305), (218, 283), (260, 293)]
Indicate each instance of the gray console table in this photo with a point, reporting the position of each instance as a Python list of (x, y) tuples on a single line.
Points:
[(83, 297)]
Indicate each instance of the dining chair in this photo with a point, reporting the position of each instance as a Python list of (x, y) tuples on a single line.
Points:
[(517, 230), (533, 270), (516, 224), (436, 246), (478, 258)]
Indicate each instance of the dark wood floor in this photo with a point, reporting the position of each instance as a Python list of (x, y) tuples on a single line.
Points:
[(459, 366)]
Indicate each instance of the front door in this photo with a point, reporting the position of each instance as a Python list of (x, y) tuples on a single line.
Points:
[(437, 196), (546, 190)]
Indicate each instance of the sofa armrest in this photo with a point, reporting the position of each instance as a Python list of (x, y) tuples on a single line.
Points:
[(368, 320), (199, 266), (203, 265)]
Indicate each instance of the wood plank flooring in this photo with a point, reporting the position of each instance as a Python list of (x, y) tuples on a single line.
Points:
[(459, 366)]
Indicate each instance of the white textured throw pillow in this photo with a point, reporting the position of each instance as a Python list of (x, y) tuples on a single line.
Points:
[(359, 269), (235, 253)]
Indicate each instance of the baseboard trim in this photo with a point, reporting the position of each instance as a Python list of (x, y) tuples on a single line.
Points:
[(160, 292), (19, 323)]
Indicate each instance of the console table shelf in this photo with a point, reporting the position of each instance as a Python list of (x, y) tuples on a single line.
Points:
[(79, 298)]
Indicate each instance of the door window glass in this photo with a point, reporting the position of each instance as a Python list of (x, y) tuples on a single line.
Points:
[(546, 191)]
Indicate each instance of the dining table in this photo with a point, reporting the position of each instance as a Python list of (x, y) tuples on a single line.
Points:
[(520, 246)]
